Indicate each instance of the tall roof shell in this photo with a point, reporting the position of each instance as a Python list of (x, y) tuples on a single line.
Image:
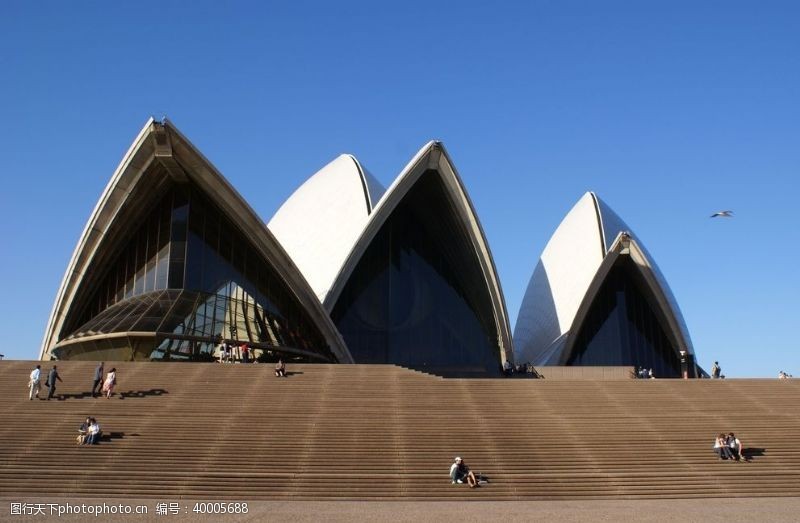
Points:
[(321, 221), (431, 158), (161, 142), (570, 269)]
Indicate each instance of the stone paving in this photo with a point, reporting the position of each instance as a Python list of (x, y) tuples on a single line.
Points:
[(768, 510)]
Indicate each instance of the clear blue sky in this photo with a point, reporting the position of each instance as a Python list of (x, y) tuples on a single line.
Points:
[(668, 110)]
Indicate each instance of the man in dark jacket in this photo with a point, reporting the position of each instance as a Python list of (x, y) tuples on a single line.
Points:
[(98, 378), (51, 381)]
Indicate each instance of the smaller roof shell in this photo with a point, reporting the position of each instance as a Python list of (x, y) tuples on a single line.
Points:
[(568, 275), (321, 221)]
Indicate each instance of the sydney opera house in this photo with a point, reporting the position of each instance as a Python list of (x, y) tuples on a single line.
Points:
[(173, 261)]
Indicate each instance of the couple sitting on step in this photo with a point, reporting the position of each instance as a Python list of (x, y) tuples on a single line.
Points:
[(89, 432), (729, 447)]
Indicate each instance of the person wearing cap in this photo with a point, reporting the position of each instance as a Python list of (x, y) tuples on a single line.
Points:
[(460, 471)]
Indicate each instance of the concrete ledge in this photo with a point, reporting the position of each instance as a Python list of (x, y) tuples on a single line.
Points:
[(553, 372)]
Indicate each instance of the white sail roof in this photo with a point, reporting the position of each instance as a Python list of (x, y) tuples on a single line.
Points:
[(431, 160), (569, 271), (161, 142), (321, 221)]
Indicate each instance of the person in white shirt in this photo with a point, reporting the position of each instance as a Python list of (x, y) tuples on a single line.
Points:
[(735, 446), (93, 437), (721, 448), (33, 382), (460, 472)]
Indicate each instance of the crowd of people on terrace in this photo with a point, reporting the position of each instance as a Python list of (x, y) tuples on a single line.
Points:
[(509, 369), (231, 352)]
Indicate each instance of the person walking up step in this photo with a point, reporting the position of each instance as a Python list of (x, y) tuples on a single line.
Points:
[(110, 383), (33, 382), (98, 379), (51, 382)]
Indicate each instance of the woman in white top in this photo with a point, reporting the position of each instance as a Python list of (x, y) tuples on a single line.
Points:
[(721, 447), (93, 437), (111, 381)]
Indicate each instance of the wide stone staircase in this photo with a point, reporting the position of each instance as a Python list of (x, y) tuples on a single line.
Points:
[(235, 432)]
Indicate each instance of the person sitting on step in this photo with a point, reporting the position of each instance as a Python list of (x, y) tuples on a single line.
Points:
[(736, 447), (93, 437), (721, 447), (280, 369), (459, 471), (83, 431)]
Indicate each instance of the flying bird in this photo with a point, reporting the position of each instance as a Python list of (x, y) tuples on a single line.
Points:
[(722, 214)]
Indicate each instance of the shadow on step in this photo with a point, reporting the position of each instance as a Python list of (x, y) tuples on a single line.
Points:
[(117, 395), (291, 373), (750, 452), (111, 436), (142, 393)]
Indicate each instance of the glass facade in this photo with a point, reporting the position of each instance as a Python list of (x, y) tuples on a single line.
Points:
[(151, 260), (622, 329), (417, 296), (191, 277)]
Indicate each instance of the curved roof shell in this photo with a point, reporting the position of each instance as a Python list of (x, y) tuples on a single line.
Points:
[(432, 160), (161, 142), (321, 221), (570, 271)]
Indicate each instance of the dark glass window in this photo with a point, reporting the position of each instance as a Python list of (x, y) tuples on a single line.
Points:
[(194, 323), (177, 253), (258, 305), (418, 297), (142, 263), (622, 329), (220, 286)]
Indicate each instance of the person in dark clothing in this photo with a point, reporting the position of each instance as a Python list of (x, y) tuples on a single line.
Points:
[(736, 447), (51, 381), (98, 379), (83, 431), (280, 369), (460, 472)]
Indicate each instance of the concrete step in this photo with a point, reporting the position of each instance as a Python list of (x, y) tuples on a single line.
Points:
[(211, 431)]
